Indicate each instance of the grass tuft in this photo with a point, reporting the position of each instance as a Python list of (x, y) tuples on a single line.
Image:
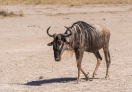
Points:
[(21, 14)]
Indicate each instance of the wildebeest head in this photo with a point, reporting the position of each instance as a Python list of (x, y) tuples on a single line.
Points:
[(59, 43)]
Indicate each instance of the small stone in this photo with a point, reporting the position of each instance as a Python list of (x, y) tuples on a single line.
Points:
[(41, 77)]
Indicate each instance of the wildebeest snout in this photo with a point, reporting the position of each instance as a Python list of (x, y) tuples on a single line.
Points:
[(57, 56)]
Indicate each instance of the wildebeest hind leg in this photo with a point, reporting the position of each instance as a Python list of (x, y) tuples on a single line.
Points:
[(108, 60)]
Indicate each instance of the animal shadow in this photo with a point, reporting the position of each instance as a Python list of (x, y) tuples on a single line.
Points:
[(48, 81)]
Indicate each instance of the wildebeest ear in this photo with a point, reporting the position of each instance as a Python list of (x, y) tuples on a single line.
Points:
[(50, 44)]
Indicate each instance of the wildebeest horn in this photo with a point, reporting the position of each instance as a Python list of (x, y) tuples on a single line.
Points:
[(66, 35), (48, 32)]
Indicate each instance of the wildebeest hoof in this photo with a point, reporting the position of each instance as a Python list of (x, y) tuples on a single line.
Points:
[(91, 79), (76, 82), (104, 78), (87, 78)]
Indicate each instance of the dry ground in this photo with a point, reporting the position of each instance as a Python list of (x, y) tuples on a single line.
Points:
[(25, 56)]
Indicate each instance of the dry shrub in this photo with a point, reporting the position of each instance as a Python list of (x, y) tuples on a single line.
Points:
[(3, 13), (6, 14), (10, 14)]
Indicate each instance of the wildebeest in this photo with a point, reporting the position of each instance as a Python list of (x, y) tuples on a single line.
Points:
[(81, 37)]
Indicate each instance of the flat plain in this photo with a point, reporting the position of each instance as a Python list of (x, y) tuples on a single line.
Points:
[(25, 56)]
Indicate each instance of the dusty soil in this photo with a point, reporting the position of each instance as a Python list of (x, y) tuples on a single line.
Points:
[(27, 63)]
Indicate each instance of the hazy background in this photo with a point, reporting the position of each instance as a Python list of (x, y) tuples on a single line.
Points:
[(29, 2)]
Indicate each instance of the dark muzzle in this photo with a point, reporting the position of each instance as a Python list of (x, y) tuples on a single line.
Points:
[(57, 59), (57, 56)]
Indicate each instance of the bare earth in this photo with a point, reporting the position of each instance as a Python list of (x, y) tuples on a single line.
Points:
[(27, 63)]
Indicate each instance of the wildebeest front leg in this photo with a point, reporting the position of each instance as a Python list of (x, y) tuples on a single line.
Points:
[(85, 74), (99, 58), (79, 55)]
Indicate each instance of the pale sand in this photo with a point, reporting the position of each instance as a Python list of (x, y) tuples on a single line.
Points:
[(25, 56)]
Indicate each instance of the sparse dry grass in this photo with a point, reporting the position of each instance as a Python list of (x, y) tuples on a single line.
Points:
[(75, 2), (4, 13)]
